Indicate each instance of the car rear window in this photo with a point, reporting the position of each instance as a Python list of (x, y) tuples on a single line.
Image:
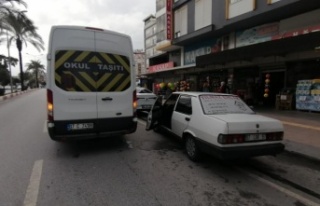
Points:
[(144, 91), (223, 104), (87, 71)]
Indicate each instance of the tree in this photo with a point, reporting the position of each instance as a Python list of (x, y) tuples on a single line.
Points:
[(22, 31), (36, 68), (7, 6), (4, 72)]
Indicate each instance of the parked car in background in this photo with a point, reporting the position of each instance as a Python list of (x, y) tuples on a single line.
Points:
[(219, 124), (145, 99)]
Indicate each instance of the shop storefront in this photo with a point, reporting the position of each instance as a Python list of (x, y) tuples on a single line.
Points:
[(267, 66)]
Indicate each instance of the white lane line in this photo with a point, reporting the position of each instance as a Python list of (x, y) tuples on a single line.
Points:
[(45, 130), (281, 189), (33, 187)]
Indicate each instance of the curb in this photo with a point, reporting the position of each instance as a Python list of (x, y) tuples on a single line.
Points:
[(302, 150), (8, 96), (301, 155)]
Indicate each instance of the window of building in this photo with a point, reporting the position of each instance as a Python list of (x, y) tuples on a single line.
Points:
[(160, 4), (161, 28), (180, 21), (203, 13), (149, 32), (161, 23), (238, 7), (149, 52), (149, 42)]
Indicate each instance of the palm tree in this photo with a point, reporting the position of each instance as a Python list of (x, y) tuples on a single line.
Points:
[(22, 31), (7, 6), (36, 68)]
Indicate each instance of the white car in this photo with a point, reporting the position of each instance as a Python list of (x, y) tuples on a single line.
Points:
[(145, 99), (218, 124)]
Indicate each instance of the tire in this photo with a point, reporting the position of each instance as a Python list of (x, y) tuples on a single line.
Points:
[(192, 149)]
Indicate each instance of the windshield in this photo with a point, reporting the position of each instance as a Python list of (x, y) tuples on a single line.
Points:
[(143, 90), (223, 104)]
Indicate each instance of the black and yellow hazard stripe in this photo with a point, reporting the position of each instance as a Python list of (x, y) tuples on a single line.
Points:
[(89, 71)]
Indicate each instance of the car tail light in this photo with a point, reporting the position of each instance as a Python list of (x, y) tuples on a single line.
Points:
[(50, 105), (242, 138), (274, 136), (231, 138)]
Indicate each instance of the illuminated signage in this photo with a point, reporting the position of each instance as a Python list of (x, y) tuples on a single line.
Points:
[(160, 67)]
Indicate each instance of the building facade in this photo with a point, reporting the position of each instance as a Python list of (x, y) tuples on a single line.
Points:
[(260, 48), (139, 62)]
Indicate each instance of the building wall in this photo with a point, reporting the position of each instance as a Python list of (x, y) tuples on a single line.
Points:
[(150, 39), (140, 62)]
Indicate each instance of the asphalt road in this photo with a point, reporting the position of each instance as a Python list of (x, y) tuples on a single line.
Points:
[(144, 168)]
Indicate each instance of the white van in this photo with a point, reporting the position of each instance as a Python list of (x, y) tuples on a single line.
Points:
[(90, 83)]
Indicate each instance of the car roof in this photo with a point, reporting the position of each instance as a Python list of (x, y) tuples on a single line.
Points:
[(142, 88), (201, 93)]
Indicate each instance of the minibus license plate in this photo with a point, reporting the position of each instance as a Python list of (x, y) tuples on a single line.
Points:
[(80, 126)]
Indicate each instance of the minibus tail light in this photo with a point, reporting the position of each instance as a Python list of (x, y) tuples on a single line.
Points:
[(135, 103), (50, 105)]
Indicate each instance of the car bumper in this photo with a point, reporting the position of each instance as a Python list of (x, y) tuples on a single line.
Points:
[(241, 152), (58, 130)]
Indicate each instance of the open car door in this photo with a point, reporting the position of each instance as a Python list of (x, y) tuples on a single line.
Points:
[(154, 114)]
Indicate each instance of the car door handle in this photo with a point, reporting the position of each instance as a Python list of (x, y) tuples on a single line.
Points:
[(107, 99), (187, 119)]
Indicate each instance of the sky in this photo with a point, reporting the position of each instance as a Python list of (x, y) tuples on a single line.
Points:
[(125, 16)]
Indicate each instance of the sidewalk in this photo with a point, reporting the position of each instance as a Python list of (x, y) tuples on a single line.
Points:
[(302, 130), (8, 96)]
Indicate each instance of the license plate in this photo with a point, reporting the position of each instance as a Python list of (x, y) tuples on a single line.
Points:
[(255, 137), (146, 106), (80, 126)]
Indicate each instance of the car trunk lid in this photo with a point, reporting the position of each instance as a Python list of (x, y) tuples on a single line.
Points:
[(249, 123)]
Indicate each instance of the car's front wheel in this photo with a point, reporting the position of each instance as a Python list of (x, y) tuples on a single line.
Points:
[(192, 149)]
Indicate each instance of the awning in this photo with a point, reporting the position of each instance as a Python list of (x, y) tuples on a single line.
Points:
[(280, 47)]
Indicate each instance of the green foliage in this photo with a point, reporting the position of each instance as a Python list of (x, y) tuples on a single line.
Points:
[(4, 76), (20, 29), (36, 69), (4, 72)]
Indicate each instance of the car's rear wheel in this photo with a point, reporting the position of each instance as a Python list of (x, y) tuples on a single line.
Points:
[(192, 148)]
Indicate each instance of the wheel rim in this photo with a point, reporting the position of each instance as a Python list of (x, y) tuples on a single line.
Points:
[(191, 147)]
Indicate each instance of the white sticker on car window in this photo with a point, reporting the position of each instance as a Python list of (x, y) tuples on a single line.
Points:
[(219, 104)]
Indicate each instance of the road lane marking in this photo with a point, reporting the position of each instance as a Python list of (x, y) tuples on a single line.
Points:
[(301, 125), (281, 189), (33, 187)]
